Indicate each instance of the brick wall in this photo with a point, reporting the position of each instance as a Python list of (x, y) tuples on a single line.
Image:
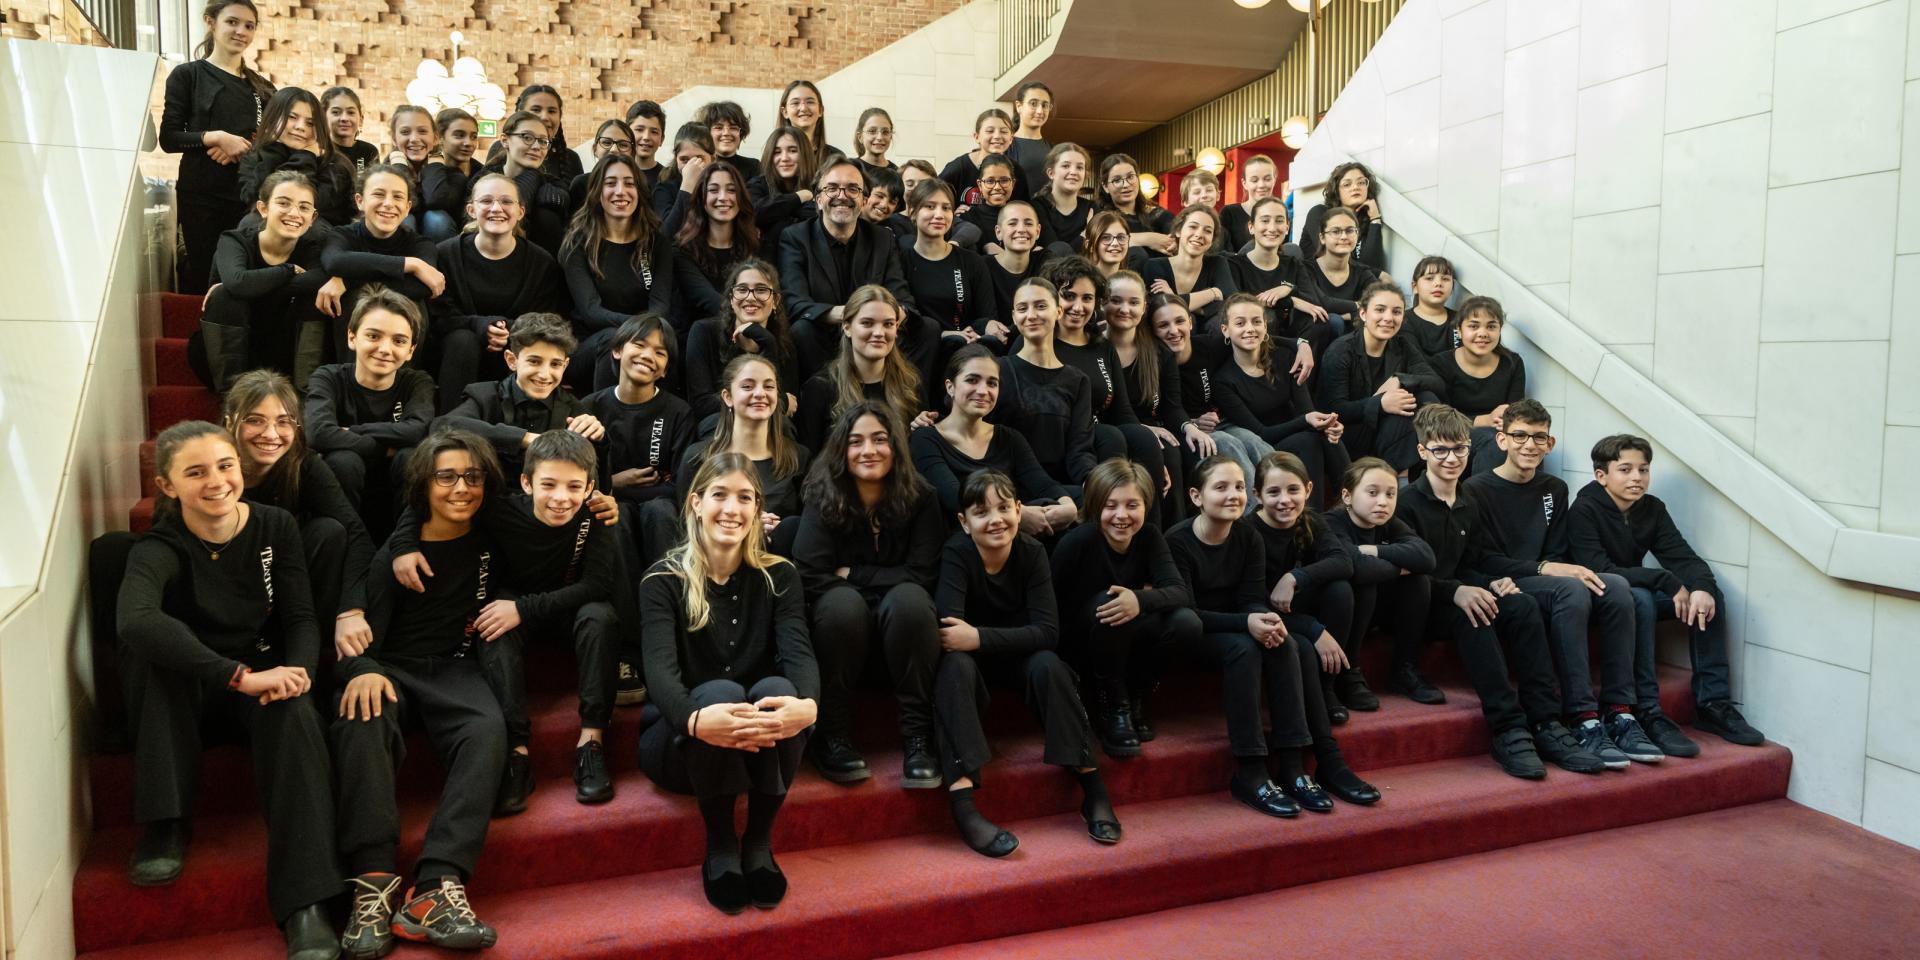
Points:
[(600, 54)]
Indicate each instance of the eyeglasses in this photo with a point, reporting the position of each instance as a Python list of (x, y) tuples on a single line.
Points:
[(841, 190), (1521, 438), (1355, 182), (997, 182), (1122, 181), (761, 291), (473, 476), (533, 140), (254, 421), (617, 146), (1107, 238), (1343, 232), (1455, 452)]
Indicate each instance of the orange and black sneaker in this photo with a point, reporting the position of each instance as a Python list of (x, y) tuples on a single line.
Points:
[(369, 932), (442, 917)]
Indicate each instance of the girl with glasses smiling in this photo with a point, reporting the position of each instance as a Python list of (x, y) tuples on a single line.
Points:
[(547, 207), (1119, 190), (615, 137), (752, 319)]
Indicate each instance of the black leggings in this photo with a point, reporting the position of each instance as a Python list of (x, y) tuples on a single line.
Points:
[(844, 621), (960, 697), (289, 771), (1250, 673), (686, 764), (281, 331), (451, 697)]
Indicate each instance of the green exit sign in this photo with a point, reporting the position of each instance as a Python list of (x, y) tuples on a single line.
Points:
[(489, 128)]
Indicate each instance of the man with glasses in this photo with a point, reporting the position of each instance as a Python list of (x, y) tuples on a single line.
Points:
[(1032, 104), (1496, 627), (822, 261), (1523, 512)]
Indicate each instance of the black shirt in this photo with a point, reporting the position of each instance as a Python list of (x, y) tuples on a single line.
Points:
[(641, 435), (359, 155), (1053, 409), (1399, 548), (1274, 408), (1085, 566), (1006, 283), (1014, 609), (1236, 228), (1030, 155), (1214, 272), (503, 413), (1292, 271), (954, 291), (443, 187), (1165, 407), (1371, 249), (480, 291), (1225, 578), (1477, 396), (1342, 298), (1452, 531), (623, 289), (320, 495), (409, 627), (554, 570), (1056, 227), (710, 347), (878, 555), (357, 257), (1434, 338), (947, 468), (1199, 377), (201, 98), (779, 495), (332, 177), (341, 414), (698, 274), (244, 273), (1111, 401), (963, 175), (774, 210), (756, 628), (1525, 523), (1349, 377)]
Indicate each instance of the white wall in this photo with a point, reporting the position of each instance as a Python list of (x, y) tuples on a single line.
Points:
[(75, 324), (1711, 189)]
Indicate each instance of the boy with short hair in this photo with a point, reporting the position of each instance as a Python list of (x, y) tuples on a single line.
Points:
[(364, 416), (649, 123), (531, 400), (1612, 527), (568, 576), (1484, 614), (1524, 510), (1431, 323)]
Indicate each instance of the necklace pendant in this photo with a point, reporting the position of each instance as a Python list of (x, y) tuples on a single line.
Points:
[(213, 555)]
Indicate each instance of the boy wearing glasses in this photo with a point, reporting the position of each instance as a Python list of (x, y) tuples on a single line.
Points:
[(365, 415), (1524, 524), (1496, 626), (1613, 525)]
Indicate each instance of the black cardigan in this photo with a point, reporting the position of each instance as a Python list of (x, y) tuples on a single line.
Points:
[(772, 639), (1346, 385), (877, 558), (202, 98)]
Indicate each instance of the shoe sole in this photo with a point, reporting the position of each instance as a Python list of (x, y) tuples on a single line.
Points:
[(1578, 768), (1647, 758), (419, 935), (855, 777), (917, 783), (165, 881), (1120, 753), (590, 800), (374, 954)]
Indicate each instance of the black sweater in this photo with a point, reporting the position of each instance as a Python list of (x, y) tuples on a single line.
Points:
[(1168, 408), (956, 292), (1014, 609), (878, 557), (947, 468), (503, 413), (1341, 298), (243, 273), (480, 291), (775, 210), (1225, 578), (358, 258), (1084, 566), (1349, 377), (1199, 377), (184, 611), (321, 496), (1324, 560), (621, 291), (1053, 409), (1372, 250), (1524, 523), (554, 570), (202, 98), (779, 496), (1214, 272), (343, 415), (1111, 402), (640, 435), (1606, 540), (1057, 227), (817, 398), (1453, 532), (756, 628), (1006, 282), (1292, 271), (962, 174), (1435, 339), (710, 348), (332, 178), (410, 627), (443, 187), (1399, 547), (1478, 396), (696, 288), (1273, 408)]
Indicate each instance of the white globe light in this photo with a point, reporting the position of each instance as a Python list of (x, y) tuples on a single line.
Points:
[(1306, 6), (457, 38), (1295, 132), (1149, 186), (1211, 160), (430, 70), (469, 67), (1253, 4)]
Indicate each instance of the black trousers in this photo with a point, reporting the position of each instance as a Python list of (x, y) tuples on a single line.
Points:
[(1051, 689), (367, 481), (1325, 461), (1515, 646), (1390, 437), (201, 220), (450, 697), (1398, 605), (593, 631), (1331, 603), (845, 619), (1250, 673), (460, 358), (686, 764), (167, 710), (1131, 657), (283, 332)]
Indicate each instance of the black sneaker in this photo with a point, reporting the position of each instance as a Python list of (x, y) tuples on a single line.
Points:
[(1354, 693), (1666, 734), (628, 688), (1558, 746), (516, 785), (591, 784), (1593, 739), (1723, 718), (1626, 734), (1407, 680), (369, 932), (1513, 750), (161, 853), (442, 917), (837, 760), (919, 770)]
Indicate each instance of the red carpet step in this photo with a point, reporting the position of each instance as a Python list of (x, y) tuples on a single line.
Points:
[(923, 891), (1769, 879), (179, 315), (168, 405), (559, 841)]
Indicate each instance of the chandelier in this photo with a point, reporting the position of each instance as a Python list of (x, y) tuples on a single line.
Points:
[(465, 87)]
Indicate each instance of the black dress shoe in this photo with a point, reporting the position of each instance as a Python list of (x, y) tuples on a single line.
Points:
[(1002, 844), (161, 853), (591, 784), (727, 892), (1113, 722), (1354, 692), (918, 768), (1336, 711), (766, 886), (310, 936), (516, 785), (1407, 680), (1143, 729), (1347, 786), (1266, 798), (837, 760), (1102, 830), (1308, 795)]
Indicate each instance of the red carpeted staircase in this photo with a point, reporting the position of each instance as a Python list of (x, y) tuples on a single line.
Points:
[(877, 870)]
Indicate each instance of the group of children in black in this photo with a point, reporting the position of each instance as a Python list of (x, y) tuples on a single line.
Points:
[(724, 426)]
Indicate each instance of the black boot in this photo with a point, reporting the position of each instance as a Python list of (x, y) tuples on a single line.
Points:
[(310, 936), (837, 760), (226, 348), (161, 853), (918, 768), (1354, 692), (1113, 722), (1143, 729)]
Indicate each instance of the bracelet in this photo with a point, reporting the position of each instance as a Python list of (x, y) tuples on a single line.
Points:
[(695, 730), (240, 673), (1540, 568)]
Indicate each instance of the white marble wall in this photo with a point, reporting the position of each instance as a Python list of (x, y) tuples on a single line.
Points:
[(1712, 191), (71, 418)]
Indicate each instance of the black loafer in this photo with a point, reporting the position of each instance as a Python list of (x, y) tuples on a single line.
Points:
[(1267, 798), (310, 936), (727, 892), (1102, 831), (1308, 795), (1347, 787), (161, 854), (918, 769), (766, 887), (1002, 844)]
